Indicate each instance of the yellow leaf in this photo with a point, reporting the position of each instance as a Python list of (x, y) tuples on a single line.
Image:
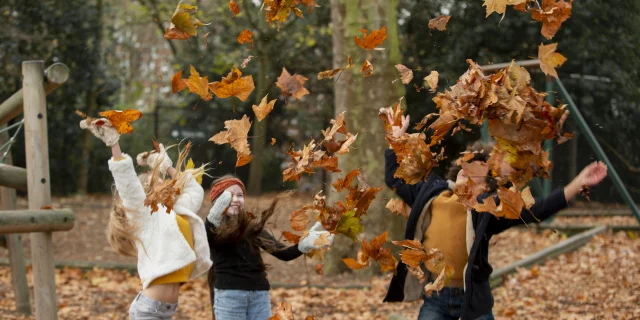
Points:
[(234, 85), (264, 108), (550, 59)]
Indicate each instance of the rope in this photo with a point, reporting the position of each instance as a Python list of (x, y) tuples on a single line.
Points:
[(9, 143)]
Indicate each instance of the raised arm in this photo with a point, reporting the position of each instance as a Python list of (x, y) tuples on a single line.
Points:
[(279, 249), (408, 192), (559, 199)]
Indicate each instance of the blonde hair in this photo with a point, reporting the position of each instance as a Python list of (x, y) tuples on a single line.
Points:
[(121, 232)]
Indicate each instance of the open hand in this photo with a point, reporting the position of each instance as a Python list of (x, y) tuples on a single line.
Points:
[(154, 159), (317, 238), (592, 174), (399, 131)]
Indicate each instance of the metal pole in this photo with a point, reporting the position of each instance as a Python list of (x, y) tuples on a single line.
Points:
[(595, 145), (548, 145)]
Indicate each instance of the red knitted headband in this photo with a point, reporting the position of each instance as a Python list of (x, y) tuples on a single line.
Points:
[(218, 188)]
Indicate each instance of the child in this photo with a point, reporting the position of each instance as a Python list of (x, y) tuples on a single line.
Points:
[(171, 247), (440, 221), (238, 279)]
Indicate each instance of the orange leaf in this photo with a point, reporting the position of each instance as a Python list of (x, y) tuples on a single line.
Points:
[(236, 134), (243, 159), (273, 141), (177, 83), (234, 85), (411, 244), (346, 182), (412, 257), (292, 85), (121, 120), (550, 59), (439, 23), (264, 108), (198, 85), (283, 312), (233, 7), (432, 80), (246, 36), (552, 15), (367, 69), (299, 220), (320, 269), (437, 285), (291, 237), (353, 264), (329, 74), (371, 40)]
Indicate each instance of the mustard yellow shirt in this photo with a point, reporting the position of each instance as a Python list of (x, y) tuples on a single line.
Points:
[(447, 232), (181, 275)]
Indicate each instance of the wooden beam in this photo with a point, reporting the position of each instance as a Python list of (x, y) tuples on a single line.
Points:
[(527, 64), (26, 221), (14, 242), (54, 76), (13, 177), (39, 188)]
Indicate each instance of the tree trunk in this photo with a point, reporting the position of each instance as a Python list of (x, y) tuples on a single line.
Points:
[(91, 101), (362, 98), (256, 169)]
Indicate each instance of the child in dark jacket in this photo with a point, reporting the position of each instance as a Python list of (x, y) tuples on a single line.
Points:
[(440, 221)]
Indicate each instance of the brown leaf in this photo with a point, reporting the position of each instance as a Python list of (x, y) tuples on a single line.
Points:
[(405, 73), (177, 83), (367, 69), (291, 237), (346, 182), (243, 159), (198, 85), (246, 61), (372, 40), (183, 23), (234, 85), (437, 285), (550, 59), (413, 258), (353, 264), (397, 206), (273, 141), (264, 108), (292, 85), (439, 23), (552, 15), (236, 134), (329, 74), (411, 244), (299, 220), (320, 269)]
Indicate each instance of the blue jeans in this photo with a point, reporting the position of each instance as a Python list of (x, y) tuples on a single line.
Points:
[(445, 305), (145, 308), (241, 305)]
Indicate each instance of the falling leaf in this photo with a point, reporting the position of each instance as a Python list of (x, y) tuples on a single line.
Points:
[(350, 225), (177, 83), (233, 7), (291, 237), (367, 69), (440, 22), (411, 244), (405, 73), (550, 59), (198, 85), (236, 134), (372, 40), (432, 80), (349, 62), (206, 40), (397, 206), (320, 269), (278, 11), (246, 36), (552, 15), (346, 182), (527, 197), (121, 120), (585, 192), (497, 6), (345, 144), (373, 250), (353, 264), (292, 85), (234, 85), (264, 109), (299, 220), (273, 141), (329, 74), (245, 62), (183, 24), (49, 207), (437, 285)]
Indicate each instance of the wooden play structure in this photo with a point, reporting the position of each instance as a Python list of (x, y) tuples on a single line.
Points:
[(39, 220)]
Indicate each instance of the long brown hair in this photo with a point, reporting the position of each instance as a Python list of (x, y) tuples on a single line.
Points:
[(245, 226)]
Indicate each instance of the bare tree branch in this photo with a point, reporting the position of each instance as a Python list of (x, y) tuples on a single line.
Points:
[(155, 16)]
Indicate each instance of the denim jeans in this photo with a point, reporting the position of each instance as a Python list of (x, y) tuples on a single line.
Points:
[(445, 305), (145, 308), (241, 305)]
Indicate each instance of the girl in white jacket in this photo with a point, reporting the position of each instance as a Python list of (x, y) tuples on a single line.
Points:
[(171, 245)]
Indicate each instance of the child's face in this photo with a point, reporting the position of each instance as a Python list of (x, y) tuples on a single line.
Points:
[(237, 202)]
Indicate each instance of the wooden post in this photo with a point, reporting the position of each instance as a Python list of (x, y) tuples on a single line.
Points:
[(14, 243), (13, 177), (37, 154)]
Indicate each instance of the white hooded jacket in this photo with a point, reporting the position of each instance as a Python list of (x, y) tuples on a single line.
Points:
[(162, 248)]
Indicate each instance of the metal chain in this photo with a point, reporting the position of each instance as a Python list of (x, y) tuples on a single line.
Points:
[(8, 144)]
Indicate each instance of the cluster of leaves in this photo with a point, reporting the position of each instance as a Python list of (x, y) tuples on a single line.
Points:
[(285, 312), (415, 257), (551, 13), (373, 251), (343, 217), (519, 119), (323, 155), (234, 85)]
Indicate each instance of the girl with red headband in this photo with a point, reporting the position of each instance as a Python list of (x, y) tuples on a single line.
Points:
[(238, 279)]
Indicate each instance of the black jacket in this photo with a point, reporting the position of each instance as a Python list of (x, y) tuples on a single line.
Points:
[(478, 299)]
